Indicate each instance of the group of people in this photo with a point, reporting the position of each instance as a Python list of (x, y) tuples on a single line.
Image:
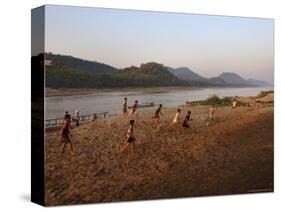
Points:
[(130, 140), (130, 137), (133, 108)]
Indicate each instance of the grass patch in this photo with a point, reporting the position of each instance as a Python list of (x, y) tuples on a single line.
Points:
[(214, 99)]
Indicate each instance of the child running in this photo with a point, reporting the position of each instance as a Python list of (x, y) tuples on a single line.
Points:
[(125, 112), (130, 141), (134, 108), (65, 135), (158, 113), (186, 120), (177, 118)]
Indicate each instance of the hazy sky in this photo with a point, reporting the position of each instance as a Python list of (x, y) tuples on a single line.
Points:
[(209, 45)]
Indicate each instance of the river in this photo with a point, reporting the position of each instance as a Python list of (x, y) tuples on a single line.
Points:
[(112, 101)]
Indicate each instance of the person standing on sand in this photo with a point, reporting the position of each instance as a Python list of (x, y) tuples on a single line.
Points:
[(212, 112), (255, 102), (157, 114), (65, 135), (234, 104), (95, 117), (134, 108), (130, 141), (77, 117), (125, 112), (186, 120), (177, 118)]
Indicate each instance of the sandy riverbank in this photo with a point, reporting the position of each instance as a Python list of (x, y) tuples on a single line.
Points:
[(234, 154)]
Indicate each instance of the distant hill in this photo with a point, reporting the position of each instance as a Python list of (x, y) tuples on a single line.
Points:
[(217, 81), (65, 76), (258, 82), (77, 63), (69, 72), (148, 74), (232, 79), (224, 79), (185, 73), (236, 80)]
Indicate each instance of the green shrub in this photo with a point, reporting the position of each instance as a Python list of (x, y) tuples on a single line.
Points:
[(214, 99)]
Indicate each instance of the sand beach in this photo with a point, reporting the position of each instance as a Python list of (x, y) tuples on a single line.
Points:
[(230, 155)]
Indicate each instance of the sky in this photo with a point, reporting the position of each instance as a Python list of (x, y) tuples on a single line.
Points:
[(208, 45)]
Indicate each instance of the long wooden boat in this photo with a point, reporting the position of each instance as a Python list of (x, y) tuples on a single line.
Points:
[(149, 104)]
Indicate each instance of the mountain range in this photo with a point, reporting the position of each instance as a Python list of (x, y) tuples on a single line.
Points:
[(64, 71), (224, 79)]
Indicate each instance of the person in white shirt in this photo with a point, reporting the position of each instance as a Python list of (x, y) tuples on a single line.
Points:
[(177, 118), (77, 117), (234, 104)]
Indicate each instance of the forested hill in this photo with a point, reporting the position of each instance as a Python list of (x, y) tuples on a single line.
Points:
[(80, 64), (69, 72), (147, 75)]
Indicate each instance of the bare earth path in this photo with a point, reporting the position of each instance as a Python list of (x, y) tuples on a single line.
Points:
[(234, 154)]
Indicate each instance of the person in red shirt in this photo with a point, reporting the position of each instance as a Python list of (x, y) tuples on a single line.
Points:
[(65, 135), (134, 108)]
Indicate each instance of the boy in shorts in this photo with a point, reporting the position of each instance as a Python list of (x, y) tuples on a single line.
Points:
[(130, 141), (157, 114), (125, 112), (186, 120), (65, 135)]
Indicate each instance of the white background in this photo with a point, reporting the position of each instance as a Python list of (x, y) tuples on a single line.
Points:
[(15, 104)]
